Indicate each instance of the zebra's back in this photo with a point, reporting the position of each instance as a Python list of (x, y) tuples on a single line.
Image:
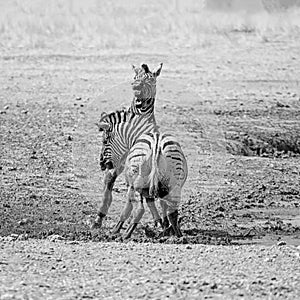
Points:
[(156, 163)]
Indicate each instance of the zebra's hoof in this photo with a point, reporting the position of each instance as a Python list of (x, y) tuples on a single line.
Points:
[(178, 232), (97, 223), (158, 221), (167, 231), (130, 230), (118, 227)]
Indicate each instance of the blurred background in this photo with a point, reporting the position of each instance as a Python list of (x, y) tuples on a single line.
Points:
[(73, 25)]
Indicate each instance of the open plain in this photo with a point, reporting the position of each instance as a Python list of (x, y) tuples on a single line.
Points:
[(229, 90)]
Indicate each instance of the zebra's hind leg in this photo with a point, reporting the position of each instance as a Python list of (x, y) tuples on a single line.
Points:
[(154, 212), (166, 226), (173, 201), (164, 207), (138, 214), (126, 212), (173, 218)]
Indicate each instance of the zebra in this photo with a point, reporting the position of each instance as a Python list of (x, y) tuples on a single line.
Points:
[(144, 90), (142, 108), (142, 120), (120, 129), (156, 168), (154, 164)]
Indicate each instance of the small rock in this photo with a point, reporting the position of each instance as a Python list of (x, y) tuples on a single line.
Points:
[(279, 104), (22, 237), (23, 222), (78, 98), (214, 286), (220, 208), (55, 237), (14, 236), (281, 243), (73, 243)]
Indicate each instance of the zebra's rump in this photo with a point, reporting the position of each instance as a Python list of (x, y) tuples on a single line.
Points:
[(159, 163), (162, 191)]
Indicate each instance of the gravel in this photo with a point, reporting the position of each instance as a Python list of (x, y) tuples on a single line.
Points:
[(58, 269)]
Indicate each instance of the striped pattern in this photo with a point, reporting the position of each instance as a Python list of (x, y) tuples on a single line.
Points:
[(144, 89), (125, 128), (156, 167), (154, 162)]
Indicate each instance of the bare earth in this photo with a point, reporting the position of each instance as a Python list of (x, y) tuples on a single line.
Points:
[(234, 105), (76, 270)]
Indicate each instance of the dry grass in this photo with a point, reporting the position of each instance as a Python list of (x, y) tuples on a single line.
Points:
[(74, 24)]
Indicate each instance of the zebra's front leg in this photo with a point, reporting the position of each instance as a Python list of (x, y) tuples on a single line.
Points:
[(138, 214), (126, 210), (109, 181)]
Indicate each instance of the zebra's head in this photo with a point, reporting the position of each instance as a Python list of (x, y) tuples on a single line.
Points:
[(110, 156), (144, 88), (106, 153)]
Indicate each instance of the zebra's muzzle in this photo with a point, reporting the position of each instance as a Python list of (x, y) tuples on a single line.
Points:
[(106, 165), (136, 93), (138, 103), (109, 165)]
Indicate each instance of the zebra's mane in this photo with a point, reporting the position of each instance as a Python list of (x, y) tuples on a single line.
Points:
[(118, 116)]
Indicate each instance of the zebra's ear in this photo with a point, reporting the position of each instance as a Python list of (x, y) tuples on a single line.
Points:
[(135, 69), (146, 68), (156, 73), (102, 126)]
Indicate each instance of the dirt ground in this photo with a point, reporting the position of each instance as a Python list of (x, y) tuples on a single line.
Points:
[(47, 269), (234, 106)]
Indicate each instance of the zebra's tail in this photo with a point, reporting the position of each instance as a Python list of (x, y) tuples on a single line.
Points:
[(154, 174)]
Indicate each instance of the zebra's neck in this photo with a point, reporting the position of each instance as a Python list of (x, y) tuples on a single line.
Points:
[(143, 106), (127, 133)]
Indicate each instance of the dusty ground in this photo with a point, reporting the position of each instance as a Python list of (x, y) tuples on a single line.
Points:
[(75, 270), (235, 107)]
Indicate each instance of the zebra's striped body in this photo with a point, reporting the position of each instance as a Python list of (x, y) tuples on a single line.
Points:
[(123, 129), (156, 168)]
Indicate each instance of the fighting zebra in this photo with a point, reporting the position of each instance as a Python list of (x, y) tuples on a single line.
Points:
[(155, 166), (142, 110), (121, 136)]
